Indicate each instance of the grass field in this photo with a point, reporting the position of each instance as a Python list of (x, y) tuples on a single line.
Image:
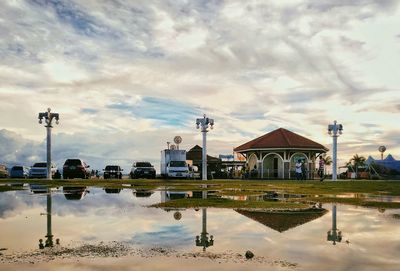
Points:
[(343, 192)]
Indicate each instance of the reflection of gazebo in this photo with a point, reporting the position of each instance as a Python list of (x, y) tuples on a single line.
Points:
[(281, 220), (275, 154)]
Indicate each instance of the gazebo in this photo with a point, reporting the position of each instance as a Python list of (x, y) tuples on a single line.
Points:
[(275, 154)]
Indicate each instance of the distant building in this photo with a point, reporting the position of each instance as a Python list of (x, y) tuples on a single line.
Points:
[(275, 154), (223, 167), (388, 162), (195, 155)]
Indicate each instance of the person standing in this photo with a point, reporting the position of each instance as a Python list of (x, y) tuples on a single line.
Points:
[(303, 170), (321, 169), (298, 170)]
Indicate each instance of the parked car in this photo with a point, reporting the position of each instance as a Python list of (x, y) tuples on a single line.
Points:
[(76, 168), (142, 170), (19, 172), (3, 171), (39, 170), (112, 172)]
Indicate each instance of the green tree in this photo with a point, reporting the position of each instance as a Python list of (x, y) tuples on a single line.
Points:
[(327, 160), (357, 161)]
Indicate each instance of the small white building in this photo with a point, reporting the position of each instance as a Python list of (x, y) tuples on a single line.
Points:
[(275, 154)]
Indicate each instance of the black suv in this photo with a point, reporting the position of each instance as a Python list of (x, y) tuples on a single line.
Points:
[(75, 168), (142, 170), (113, 172)]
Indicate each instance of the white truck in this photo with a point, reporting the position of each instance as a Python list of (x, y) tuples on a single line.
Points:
[(173, 164)]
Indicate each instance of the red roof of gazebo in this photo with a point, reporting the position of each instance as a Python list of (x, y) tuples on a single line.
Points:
[(280, 138)]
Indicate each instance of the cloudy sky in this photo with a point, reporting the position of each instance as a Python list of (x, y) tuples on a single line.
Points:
[(127, 76)]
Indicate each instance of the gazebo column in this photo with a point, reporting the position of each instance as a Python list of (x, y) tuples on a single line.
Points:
[(286, 171), (259, 165)]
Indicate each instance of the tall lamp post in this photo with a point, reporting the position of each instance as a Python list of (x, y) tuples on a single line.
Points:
[(48, 118), (334, 130), (204, 123)]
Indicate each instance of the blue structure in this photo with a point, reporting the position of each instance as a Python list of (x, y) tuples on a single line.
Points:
[(388, 162)]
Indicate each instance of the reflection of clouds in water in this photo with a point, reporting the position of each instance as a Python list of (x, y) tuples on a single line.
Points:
[(374, 237), (13, 203), (167, 235)]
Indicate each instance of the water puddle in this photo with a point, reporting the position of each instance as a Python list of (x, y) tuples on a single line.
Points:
[(49, 226)]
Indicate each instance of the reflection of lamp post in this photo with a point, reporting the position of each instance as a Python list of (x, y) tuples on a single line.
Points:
[(334, 130), (49, 235), (204, 123), (48, 118), (334, 235), (203, 240)]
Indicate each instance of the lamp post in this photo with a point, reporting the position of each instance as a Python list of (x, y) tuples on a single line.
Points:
[(48, 118), (334, 130), (204, 123)]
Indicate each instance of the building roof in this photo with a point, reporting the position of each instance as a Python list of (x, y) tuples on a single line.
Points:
[(389, 162), (282, 139), (195, 154), (282, 221)]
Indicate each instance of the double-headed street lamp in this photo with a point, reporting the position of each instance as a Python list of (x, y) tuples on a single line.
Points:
[(334, 130), (48, 118), (204, 123)]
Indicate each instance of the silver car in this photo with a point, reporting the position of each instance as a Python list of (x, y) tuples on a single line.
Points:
[(39, 170)]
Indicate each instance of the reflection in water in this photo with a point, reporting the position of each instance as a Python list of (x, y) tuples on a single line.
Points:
[(75, 192), (283, 221), (39, 188), (142, 193), (297, 237), (112, 190), (49, 235), (334, 235), (171, 195), (203, 240)]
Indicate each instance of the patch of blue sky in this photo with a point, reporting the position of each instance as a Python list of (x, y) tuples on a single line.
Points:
[(11, 51), (166, 235), (89, 111), (166, 111), (69, 13)]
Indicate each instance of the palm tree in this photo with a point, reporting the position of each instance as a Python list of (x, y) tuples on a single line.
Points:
[(357, 161), (327, 160)]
